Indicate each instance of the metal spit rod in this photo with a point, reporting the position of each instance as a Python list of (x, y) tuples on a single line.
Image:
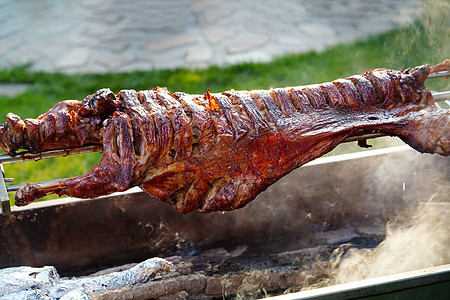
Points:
[(27, 156), (442, 96), (444, 73)]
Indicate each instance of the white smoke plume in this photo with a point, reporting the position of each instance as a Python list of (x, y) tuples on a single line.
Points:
[(424, 242)]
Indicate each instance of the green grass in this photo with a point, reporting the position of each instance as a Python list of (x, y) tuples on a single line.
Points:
[(425, 41)]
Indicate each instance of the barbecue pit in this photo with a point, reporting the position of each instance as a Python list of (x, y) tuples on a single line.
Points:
[(282, 242), (293, 237)]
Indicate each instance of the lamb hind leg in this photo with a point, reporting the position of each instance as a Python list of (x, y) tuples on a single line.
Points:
[(92, 184), (113, 173)]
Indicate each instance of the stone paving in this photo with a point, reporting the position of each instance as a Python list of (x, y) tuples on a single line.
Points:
[(110, 36)]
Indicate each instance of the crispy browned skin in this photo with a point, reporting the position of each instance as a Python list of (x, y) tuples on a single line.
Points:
[(218, 151)]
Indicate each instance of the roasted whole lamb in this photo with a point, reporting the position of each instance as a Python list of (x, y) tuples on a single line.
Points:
[(218, 151)]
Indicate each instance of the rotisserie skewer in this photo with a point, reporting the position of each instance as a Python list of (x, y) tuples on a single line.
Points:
[(218, 151)]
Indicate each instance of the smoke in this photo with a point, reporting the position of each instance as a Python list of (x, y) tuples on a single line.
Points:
[(418, 236), (417, 226), (424, 41), (437, 28), (422, 243), (435, 18)]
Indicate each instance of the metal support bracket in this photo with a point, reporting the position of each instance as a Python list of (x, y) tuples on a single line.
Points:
[(5, 207)]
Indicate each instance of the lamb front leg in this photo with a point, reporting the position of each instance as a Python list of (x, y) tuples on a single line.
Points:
[(114, 173)]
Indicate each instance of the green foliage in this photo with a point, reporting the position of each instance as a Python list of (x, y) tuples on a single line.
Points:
[(426, 41)]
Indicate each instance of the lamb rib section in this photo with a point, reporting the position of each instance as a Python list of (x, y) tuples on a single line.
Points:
[(218, 151)]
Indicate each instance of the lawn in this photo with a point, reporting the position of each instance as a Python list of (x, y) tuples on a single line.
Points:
[(425, 41)]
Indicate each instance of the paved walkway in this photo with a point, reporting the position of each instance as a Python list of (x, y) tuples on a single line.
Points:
[(106, 35)]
